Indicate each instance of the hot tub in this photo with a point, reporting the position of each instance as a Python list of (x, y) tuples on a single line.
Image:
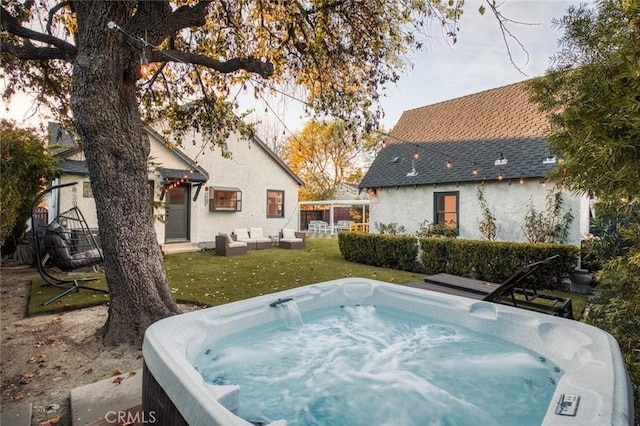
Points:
[(595, 379)]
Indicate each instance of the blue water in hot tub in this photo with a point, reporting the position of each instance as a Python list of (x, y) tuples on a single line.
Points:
[(364, 365)]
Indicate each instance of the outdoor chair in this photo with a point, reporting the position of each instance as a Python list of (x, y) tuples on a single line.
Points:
[(513, 291), (227, 246), (67, 243), (290, 239)]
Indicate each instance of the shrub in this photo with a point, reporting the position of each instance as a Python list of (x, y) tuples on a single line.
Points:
[(487, 225), (390, 228), (547, 226), (496, 261), (387, 251), (446, 230), (616, 309)]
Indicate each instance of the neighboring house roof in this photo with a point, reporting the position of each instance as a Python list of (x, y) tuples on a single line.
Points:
[(60, 140), (73, 167), (470, 132)]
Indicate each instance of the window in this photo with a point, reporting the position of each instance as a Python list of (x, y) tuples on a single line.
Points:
[(275, 203), (86, 190), (446, 208), (225, 199)]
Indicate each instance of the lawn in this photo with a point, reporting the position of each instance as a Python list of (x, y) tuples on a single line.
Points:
[(209, 280)]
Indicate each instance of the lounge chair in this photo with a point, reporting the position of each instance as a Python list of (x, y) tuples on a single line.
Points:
[(290, 239), (513, 291), (226, 246)]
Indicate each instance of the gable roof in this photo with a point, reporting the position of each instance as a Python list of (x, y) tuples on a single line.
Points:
[(504, 112), (470, 132)]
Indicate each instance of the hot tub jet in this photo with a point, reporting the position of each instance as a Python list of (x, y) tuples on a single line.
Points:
[(280, 301)]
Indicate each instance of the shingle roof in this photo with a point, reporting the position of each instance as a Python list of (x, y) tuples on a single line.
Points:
[(471, 132), (73, 167), (499, 113), (524, 157), (190, 175)]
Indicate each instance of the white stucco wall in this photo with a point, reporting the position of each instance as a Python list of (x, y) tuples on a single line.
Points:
[(251, 169), (410, 206)]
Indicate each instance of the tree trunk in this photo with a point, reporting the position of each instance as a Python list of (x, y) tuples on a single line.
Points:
[(116, 148)]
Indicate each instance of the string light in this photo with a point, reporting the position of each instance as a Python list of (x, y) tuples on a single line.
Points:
[(521, 181), (144, 65), (449, 164), (500, 177), (416, 155)]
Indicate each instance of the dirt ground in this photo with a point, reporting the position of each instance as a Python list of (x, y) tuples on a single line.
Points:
[(42, 358)]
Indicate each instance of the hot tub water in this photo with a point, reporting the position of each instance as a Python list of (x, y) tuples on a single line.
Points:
[(362, 365)]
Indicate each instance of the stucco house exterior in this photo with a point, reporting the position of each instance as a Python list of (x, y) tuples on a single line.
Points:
[(204, 192), (438, 155)]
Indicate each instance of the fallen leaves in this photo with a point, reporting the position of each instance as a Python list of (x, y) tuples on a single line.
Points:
[(52, 421)]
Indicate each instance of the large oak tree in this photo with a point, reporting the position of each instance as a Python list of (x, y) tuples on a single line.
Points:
[(85, 57)]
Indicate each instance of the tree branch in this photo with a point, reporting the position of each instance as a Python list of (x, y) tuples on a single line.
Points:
[(12, 26), (52, 12), (188, 16), (29, 52), (250, 64)]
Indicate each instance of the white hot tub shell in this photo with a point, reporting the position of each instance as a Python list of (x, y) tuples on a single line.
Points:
[(593, 365)]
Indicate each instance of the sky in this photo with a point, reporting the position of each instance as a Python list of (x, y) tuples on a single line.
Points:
[(478, 61)]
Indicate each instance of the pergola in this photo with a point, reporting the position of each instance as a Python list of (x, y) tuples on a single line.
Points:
[(332, 204)]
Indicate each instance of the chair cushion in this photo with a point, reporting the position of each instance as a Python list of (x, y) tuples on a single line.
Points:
[(227, 236), (291, 240), (237, 244), (242, 234), (256, 232), (288, 234)]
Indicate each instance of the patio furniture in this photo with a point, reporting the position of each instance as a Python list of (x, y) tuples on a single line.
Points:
[(319, 226), (290, 239), (68, 243), (343, 225), (226, 246), (254, 238), (514, 291)]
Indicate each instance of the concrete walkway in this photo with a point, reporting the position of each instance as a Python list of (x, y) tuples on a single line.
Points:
[(108, 402)]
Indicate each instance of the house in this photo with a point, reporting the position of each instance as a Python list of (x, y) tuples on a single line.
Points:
[(438, 155), (204, 192)]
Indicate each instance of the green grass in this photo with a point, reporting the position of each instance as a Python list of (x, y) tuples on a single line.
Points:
[(209, 280)]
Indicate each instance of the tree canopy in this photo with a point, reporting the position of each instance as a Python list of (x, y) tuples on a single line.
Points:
[(325, 155), (89, 60), (26, 166), (592, 98)]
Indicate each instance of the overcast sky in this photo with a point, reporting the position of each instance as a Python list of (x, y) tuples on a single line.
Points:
[(477, 62)]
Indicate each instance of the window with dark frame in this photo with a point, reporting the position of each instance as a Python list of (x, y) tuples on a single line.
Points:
[(86, 190), (446, 206), (225, 200), (275, 203)]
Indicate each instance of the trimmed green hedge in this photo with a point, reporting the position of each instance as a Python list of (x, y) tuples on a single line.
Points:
[(387, 251), (496, 261), (486, 260)]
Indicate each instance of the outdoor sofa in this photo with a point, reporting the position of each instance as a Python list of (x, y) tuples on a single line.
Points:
[(254, 237), (226, 246), (290, 239)]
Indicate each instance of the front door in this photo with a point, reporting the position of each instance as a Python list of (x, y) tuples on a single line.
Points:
[(177, 224)]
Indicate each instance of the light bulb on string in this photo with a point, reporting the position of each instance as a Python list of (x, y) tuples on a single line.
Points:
[(449, 164), (500, 177)]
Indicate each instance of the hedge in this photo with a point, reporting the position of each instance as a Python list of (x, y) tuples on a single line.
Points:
[(486, 260), (387, 251), (496, 261)]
